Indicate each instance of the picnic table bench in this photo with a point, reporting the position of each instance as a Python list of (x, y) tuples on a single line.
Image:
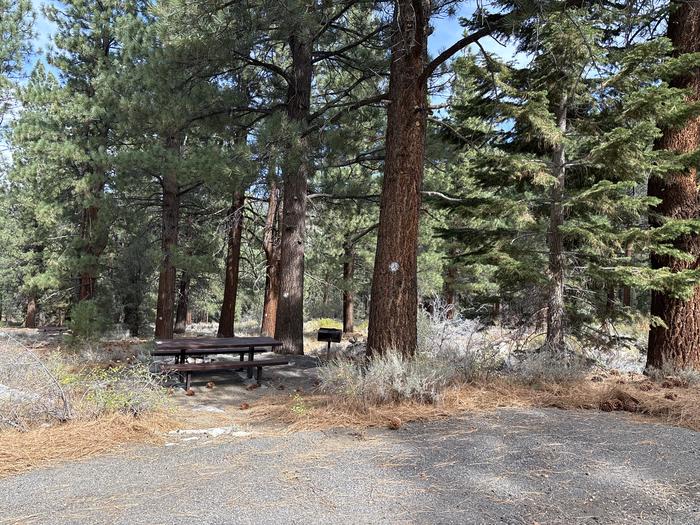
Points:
[(53, 329), (182, 348), (188, 368)]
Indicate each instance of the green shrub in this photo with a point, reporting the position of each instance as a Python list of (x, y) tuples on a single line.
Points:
[(126, 389), (87, 321), (315, 324)]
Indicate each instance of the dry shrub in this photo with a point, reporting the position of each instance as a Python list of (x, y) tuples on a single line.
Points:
[(323, 411), (52, 388), (22, 451), (681, 376), (29, 391), (388, 378), (547, 367)]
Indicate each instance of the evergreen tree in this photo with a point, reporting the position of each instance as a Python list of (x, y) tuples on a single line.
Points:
[(674, 337), (555, 146), (86, 51)]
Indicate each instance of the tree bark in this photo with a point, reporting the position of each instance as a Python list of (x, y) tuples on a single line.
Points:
[(289, 327), (30, 315), (626, 290), (678, 343), (94, 241), (272, 249), (449, 288), (183, 303), (496, 311), (132, 319), (555, 244), (169, 239), (348, 295), (233, 258), (394, 301), (93, 231)]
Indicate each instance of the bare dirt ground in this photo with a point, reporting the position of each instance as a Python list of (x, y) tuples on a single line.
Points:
[(513, 466)]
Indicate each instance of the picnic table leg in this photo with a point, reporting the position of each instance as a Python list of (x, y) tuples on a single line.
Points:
[(188, 380), (251, 356), (258, 374), (183, 359)]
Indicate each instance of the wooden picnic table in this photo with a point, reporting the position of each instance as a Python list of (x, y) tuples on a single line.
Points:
[(184, 347), (191, 343)]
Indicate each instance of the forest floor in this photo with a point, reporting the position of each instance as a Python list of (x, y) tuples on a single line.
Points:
[(510, 466)]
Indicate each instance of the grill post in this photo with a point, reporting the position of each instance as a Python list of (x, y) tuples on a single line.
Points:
[(329, 335)]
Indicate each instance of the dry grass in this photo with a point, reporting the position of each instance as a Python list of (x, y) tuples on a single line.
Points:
[(659, 402), (22, 451)]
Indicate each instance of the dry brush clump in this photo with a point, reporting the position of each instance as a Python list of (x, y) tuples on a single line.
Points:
[(58, 406), (451, 353), (47, 388), (634, 394), (461, 367)]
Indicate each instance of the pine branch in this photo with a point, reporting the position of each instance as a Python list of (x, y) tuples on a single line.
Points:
[(443, 57)]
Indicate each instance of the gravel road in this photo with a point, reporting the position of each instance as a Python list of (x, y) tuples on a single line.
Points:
[(510, 467)]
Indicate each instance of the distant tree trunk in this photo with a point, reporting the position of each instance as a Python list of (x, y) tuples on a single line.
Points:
[(132, 319), (555, 243), (348, 296), (169, 238), (394, 301), (272, 249), (93, 236), (609, 308), (233, 257), (133, 296), (289, 327), (496, 311), (183, 303), (324, 297), (626, 290), (30, 315), (449, 288), (678, 344), (348, 276)]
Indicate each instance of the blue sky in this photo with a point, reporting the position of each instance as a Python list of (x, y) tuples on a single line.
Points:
[(42, 28), (446, 32)]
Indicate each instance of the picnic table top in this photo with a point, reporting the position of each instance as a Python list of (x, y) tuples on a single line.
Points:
[(193, 343), (205, 351)]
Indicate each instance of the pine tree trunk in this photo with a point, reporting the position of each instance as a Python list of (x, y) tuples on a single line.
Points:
[(394, 301), (132, 319), (324, 297), (289, 327), (555, 244), (233, 257), (183, 303), (133, 299), (169, 238), (626, 290), (348, 296), (678, 344), (30, 315), (272, 248), (449, 289), (88, 274)]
